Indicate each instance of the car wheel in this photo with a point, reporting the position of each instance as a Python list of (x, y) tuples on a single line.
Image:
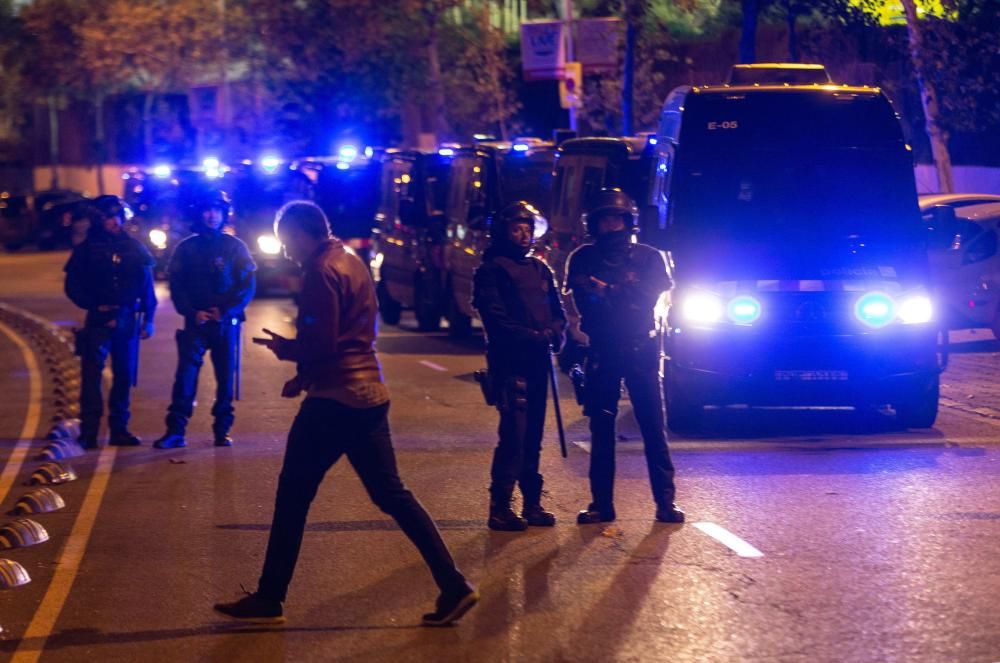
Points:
[(919, 410), (683, 412), (459, 324), (390, 310)]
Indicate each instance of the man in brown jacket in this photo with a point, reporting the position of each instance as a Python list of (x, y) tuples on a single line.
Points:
[(345, 413)]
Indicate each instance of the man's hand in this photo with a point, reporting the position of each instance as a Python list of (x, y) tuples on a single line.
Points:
[(147, 330), (281, 347), (292, 388)]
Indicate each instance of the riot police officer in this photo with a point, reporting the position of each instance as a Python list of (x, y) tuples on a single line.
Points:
[(517, 299), (615, 283), (212, 281), (110, 275)]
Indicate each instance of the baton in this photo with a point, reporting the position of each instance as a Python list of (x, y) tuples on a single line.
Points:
[(238, 349), (555, 403), (136, 328)]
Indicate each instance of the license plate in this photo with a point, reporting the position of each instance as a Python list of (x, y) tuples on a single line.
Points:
[(810, 376)]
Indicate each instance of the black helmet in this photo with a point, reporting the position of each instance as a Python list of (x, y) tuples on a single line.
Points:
[(610, 201), (110, 206), (520, 211), (206, 200)]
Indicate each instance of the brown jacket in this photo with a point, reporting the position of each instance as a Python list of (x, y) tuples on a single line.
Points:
[(335, 343)]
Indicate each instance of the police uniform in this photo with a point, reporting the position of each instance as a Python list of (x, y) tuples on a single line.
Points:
[(208, 270), (615, 284), (110, 276), (517, 299)]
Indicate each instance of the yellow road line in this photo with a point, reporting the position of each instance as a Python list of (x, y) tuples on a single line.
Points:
[(42, 624), (31, 419)]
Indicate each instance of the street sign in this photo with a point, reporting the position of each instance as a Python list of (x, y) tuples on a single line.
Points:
[(543, 50), (598, 44), (571, 86)]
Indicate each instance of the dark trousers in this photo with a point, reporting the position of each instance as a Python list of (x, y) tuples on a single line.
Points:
[(639, 367), (522, 422), (94, 344), (221, 340), (323, 431)]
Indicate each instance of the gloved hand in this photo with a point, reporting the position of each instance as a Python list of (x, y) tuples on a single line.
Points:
[(147, 330)]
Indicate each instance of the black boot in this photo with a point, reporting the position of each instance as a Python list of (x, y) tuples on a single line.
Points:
[(669, 514), (593, 514), (123, 438), (536, 516), (502, 517)]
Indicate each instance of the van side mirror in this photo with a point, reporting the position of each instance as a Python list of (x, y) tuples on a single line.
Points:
[(942, 226)]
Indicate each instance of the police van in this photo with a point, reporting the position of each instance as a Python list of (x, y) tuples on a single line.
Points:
[(797, 250), (407, 261), (483, 179), (583, 167)]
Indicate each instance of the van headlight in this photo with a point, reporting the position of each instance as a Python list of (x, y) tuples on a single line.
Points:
[(916, 309), (158, 238), (702, 307), (269, 245)]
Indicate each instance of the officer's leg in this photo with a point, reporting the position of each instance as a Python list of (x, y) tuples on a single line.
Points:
[(190, 353), (530, 478), (223, 347), (369, 448), (646, 393), (93, 347), (508, 457), (124, 354), (313, 447), (603, 391)]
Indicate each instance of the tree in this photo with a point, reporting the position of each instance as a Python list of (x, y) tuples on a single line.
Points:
[(158, 47)]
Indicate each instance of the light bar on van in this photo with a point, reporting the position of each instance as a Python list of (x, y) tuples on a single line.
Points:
[(743, 310), (347, 152)]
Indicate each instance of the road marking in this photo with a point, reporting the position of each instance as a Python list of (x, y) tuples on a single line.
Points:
[(42, 624), (31, 419), (728, 539), (431, 365)]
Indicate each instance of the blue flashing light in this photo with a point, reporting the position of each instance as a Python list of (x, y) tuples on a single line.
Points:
[(343, 165), (211, 163), (162, 171), (652, 140), (521, 147), (744, 310), (446, 152), (348, 152), (875, 309), (270, 163), (369, 152)]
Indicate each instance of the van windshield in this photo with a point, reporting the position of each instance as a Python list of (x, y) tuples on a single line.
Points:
[(795, 170)]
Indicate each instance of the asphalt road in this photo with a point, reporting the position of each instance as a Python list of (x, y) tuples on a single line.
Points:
[(852, 540)]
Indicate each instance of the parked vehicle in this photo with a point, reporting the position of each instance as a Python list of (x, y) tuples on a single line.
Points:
[(348, 192), (582, 167), (797, 252), (54, 210), (409, 238), (965, 265), (483, 179), (258, 190)]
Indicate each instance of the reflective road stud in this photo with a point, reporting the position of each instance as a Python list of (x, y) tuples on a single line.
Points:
[(39, 500), (59, 449), (52, 474), (12, 574), (22, 533)]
